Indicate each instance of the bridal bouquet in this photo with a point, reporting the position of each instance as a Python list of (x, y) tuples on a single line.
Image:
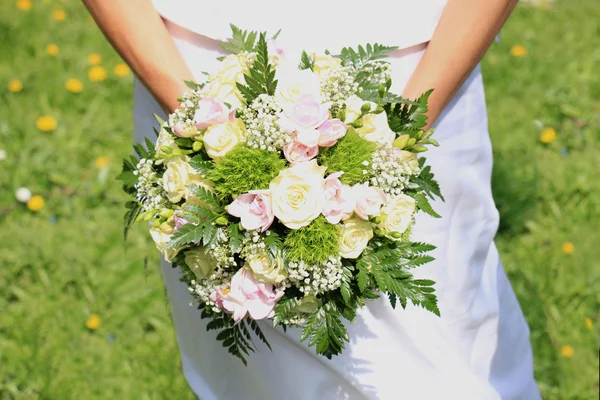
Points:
[(288, 192)]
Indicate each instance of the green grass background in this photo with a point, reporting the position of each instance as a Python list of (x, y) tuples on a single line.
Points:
[(59, 265)]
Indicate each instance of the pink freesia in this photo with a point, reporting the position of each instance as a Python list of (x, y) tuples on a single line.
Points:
[(303, 118), (339, 203), (246, 295), (369, 201), (255, 210), (273, 49), (297, 152), (211, 111), (179, 221), (331, 131)]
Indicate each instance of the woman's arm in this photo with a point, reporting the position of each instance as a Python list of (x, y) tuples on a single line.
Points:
[(138, 33), (465, 31)]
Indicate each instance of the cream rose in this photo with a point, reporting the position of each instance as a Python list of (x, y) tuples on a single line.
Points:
[(324, 63), (411, 160), (353, 108), (178, 176), (220, 139), (356, 234), (222, 85), (164, 140), (298, 194), (200, 262), (293, 84), (161, 236), (265, 270), (375, 128), (397, 214)]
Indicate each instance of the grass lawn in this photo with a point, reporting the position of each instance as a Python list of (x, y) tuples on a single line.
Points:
[(67, 261)]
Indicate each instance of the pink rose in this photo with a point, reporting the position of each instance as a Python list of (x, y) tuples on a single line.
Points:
[(369, 201), (211, 111), (297, 152), (331, 131), (254, 209), (339, 203), (303, 118), (246, 295)]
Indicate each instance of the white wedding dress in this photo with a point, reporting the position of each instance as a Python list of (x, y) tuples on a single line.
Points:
[(479, 349)]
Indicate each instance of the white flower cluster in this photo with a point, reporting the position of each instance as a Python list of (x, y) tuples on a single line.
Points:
[(316, 278), (149, 192), (262, 130), (376, 72), (187, 108), (337, 85), (390, 171), (294, 320)]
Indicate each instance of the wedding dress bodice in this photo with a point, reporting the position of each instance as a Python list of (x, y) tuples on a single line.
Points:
[(314, 25)]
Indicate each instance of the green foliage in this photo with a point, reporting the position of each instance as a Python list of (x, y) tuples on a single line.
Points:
[(240, 40), (261, 77), (206, 197), (274, 245), (134, 209), (363, 55), (244, 169), (348, 155), (201, 229), (284, 308), (235, 238), (305, 61), (426, 182), (324, 329), (201, 165), (408, 116), (314, 243)]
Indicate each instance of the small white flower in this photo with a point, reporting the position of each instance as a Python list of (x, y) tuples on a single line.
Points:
[(2, 154), (23, 194)]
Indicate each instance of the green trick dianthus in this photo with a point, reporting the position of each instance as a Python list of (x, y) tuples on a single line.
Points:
[(244, 169), (314, 243), (348, 155)]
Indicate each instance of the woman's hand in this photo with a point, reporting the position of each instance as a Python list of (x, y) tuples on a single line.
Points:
[(465, 31), (138, 33)]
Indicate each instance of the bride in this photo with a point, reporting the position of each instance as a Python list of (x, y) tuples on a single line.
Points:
[(479, 349)]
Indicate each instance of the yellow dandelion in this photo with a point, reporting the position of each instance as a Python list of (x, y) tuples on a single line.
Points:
[(518, 51), (35, 203), (24, 5), (588, 323), (93, 322), (548, 135), (15, 86), (52, 49), (94, 59), (568, 248), (97, 74), (101, 162), (74, 85), (59, 15), (567, 351), (46, 123), (121, 70)]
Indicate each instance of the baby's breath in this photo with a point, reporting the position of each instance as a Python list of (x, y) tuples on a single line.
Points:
[(150, 193), (316, 278), (389, 171), (262, 129), (337, 85)]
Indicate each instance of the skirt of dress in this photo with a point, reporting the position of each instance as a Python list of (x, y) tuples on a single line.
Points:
[(478, 349)]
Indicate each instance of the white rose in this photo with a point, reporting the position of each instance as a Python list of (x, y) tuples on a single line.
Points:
[(298, 194), (356, 234), (376, 129), (164, 140), (220, 139), (161, 236), (324, 63), (200, 262), (294, 83), (397, 214), (265, 270)]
